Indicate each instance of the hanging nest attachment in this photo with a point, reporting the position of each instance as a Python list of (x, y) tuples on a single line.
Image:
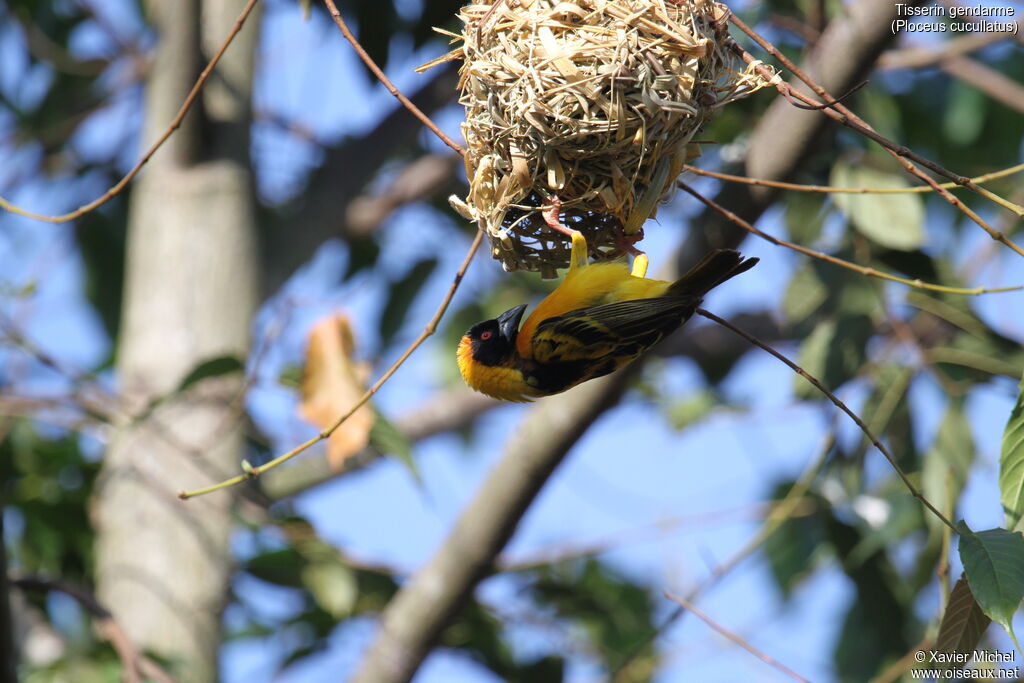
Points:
[(590, 101)]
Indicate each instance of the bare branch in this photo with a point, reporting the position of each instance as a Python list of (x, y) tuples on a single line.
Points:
[(420, 179), (382, 77), (418, 613), (906, 157), (842, 263), (986, 79), (176, 123), (829, 189)]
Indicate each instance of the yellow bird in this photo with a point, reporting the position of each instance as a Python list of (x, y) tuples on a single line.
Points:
[(599, 319)]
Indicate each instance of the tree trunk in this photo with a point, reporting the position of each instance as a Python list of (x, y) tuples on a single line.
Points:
[(163, 566)]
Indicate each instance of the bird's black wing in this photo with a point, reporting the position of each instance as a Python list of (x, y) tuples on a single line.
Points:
[(619, 330)]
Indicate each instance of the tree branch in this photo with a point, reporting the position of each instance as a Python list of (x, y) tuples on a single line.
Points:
[(347, 168), (993, 83), (421, 178), (417, 615)]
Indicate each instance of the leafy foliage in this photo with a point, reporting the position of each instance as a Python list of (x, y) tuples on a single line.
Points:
[(616, 614), (877, 626), (792, 550), (47, 483), (994, 564), (1011, 465), (890, 220), (963, 622)]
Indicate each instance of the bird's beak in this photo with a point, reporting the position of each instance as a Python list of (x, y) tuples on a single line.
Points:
[(508, 322)]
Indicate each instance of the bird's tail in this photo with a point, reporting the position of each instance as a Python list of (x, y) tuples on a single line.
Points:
[(713, 270)]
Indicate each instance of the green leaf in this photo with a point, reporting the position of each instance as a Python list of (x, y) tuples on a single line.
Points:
[(213, 367), (388, 439), (814, 356), (824, 288), (281, 567), (547, 669), (1011, 464), (891, 220), (403, 293), (963, 622), (994, 563), (333, 586)]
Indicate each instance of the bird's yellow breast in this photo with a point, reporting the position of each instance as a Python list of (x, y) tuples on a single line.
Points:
[(503, 382), (591, 285)]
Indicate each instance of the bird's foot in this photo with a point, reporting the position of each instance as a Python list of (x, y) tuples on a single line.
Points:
[(580, 252), (627, 244)]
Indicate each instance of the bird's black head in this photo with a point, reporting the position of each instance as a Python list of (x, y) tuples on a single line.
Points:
[(493, 341)]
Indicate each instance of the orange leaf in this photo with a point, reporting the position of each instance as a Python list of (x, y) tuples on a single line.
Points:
[(331, 384)]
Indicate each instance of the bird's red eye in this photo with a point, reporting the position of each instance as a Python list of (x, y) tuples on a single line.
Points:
[(485, 335)]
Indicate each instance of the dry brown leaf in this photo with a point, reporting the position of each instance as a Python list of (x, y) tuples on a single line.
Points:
[(332, 382)]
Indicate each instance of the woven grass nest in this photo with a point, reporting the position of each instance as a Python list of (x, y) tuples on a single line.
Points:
[(591, 101)]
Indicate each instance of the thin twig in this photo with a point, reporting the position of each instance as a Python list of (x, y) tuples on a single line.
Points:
[(828, 189), (372, 66), (134, 662), (863, 270), (251, 471), (174, 125), (839, 404), (846, 117), (770, 661), (783, 510)]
